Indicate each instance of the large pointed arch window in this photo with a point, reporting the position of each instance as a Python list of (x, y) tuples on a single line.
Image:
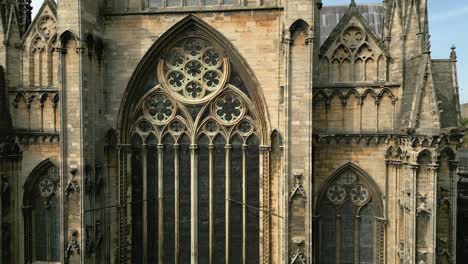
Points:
[(42, 215), (350, 221), (195, 160)]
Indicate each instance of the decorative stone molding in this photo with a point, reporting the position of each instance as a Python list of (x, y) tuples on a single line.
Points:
[(73, 184), (298, 188), (73, 246), (298, 258)]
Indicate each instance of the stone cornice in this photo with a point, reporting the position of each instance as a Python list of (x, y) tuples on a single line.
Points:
[(385, 139)]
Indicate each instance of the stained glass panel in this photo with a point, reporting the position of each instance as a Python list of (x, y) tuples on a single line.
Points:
[(184, 201), (235, 247), (253, 201), (203, 201)]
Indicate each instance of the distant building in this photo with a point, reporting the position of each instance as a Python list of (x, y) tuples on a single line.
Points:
[(222, 131), (464, 111)]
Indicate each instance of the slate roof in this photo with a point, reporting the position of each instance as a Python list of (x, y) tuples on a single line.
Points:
[(446, 92), (331, 16)]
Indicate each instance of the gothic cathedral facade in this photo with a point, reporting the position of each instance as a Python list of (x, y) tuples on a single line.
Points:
[(226, 131)]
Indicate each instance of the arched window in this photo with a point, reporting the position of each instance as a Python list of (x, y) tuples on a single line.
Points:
[(42, 215), (350, 220), (194, 151)]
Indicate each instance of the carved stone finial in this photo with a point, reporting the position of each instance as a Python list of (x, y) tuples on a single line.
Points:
[(453, 53), (72, 245), (298, 258), (298, 188)]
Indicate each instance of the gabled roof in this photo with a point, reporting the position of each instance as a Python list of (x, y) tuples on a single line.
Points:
[(330, 16), (53, 7), (352, 12)]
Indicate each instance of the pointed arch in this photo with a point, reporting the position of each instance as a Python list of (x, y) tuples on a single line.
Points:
[(33, 178), (298, 25), (349, 206), (41, 211), (359, 172), (143, 77)]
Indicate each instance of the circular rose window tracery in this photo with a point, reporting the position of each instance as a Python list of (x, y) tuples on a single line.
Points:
[(159, 108), (193, 70), (228, 109)]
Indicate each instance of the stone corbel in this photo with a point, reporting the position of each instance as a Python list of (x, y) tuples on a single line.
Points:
[(73, 246), (298, 257), (298, 188)]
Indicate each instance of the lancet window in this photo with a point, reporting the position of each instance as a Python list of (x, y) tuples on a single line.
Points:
[(42, 214), (349, 221), (195, 161)]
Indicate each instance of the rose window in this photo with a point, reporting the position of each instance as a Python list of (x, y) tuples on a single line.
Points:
[(359, 195), (46, 188), (144, 126), (245, 127), (177, 126), (353, 36), (54, 174), (336, 194), (47, 26), (348, 178), (159, 108), (194, 70), (211, 127), (228, 109)]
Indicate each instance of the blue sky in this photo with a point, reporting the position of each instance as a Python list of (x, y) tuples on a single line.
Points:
[(448, 26)]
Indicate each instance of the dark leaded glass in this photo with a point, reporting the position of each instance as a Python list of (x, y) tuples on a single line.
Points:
[(203, 200), (253, 198), (137, 201), (366, 235), (152, 203), (168, 192), (327, 234), (219, 200), (235, 247), (54, 227), (347, 234), (184, 201), (40, 233)]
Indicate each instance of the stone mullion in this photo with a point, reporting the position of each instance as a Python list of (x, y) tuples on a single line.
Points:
[(145, 202), (412, 243), (123, 152), (244, 202), (160, 204), (435, 171), (227, 199), (338, 238), (176, 203), (194, 203), (397, 211), (211, 201), (265, 203), (357, 221), (453, 207)]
